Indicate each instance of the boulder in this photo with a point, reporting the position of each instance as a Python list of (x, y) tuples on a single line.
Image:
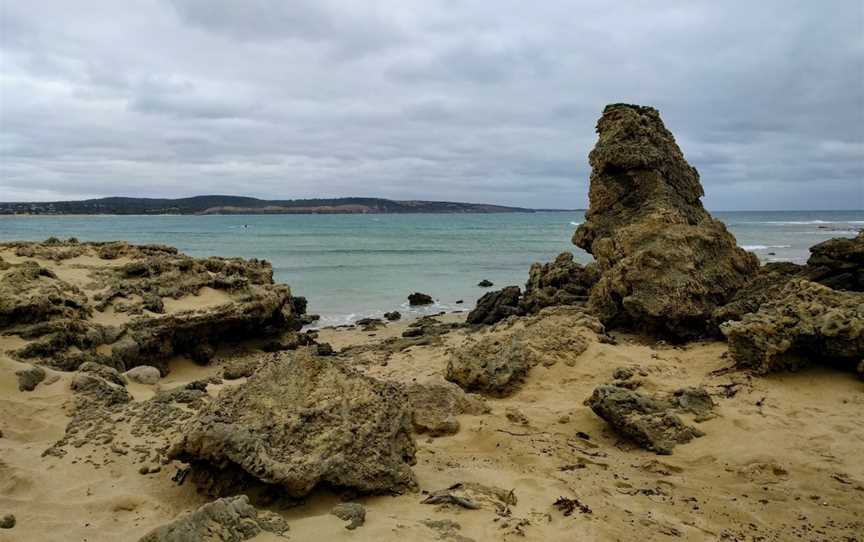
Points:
[(106, 373), (100, 391), (496, 306), (649, 422), (352, 512), (392, 316), (30, 377), (231, 519), (143, 374), (485, 283), (240, 368), (664, 264), (839, 263), (437, 405), (298, 422), (560, 282), (807, 322), (418, 298), (7, 521)]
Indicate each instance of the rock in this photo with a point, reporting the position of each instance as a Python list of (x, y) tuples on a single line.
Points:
[(498, 362), (413, 332), (30, 293), (496, 306), (664, 264), (485, 283), (7, 521), (838, 263), (436, 406), (231, 519), (694, 400), (300, 422), (240, 368), (764, 286), (561, 282), (324, 349), (649, 422), (352, 512), (153, 303), (30, 377), (418, 298), (99, 390), (143, 374), (516, 416), (623, 373), (393, 316), (107, 373), (806, 322), (369, 324)]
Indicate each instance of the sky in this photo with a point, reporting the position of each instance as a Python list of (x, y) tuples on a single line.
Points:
[(461, 100)]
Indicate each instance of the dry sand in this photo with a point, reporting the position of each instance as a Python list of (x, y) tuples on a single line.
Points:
[(780, 461)]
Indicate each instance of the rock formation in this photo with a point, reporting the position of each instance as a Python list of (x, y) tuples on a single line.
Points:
[(498, 361), (664, 263), (807, 322), (560, 282), (437, 405), (650, 422), (496, 306), (838, 263), (302, 421), (224, 520), (418, 298), (118, 314)]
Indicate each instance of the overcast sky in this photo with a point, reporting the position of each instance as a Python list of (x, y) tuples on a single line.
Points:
[(484, 101)]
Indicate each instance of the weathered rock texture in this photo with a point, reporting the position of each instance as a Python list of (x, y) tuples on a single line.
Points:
[(806, 323), (224, 520), (664, 263), (437, 405), (838, 263), (649, 422), (299, 422), (560, 282), (498, 361), (496, 306), (116, 315)]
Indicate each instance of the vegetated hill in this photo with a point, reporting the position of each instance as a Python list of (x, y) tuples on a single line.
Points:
[(245, 205)]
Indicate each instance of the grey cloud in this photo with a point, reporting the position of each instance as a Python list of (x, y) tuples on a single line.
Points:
[(464, 100)]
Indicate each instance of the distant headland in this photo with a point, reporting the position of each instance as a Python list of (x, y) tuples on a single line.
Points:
[(227, 205)]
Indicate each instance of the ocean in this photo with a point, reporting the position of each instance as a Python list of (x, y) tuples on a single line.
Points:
[(354, 266)]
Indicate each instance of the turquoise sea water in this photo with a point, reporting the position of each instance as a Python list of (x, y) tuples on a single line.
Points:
[(351, 266)]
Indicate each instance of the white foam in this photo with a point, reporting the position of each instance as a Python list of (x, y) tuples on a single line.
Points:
[(764, 247), (575, 223)]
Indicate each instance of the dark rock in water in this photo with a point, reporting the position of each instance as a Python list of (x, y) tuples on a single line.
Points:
[(418, 298), (393, 316), (231, 519), (299, 422), (649, 422), (437, 405), (30, 377), (352, 512), (460, 301), (561, 282), (496, 306), (806, 322), (7, 521), (485, 283), (838, 263), (664, 263)]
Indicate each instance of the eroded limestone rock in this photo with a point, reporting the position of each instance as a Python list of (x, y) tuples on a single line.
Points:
[(436, 406), (298, 422)]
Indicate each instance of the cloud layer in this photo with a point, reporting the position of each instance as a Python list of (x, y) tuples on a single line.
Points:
[(462, 100)]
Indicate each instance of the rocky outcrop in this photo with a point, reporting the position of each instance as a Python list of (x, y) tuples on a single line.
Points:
[(763, 287), (152, 297), (496, 306), (437, 405), (664, 263), (30, 377), (838, 263), (649, 422), (224, 520), (298, 422), (560, 282), (807, 322), (418, 298), (499, 360)]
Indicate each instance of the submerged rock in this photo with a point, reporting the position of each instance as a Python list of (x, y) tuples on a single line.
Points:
[(299, 422), (649, 422), (418, 298), (664, 263), (224, 520), (485, 283), (496, 306), (806, 323)]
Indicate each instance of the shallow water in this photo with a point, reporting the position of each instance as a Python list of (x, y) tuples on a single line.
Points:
[(352, 266)]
